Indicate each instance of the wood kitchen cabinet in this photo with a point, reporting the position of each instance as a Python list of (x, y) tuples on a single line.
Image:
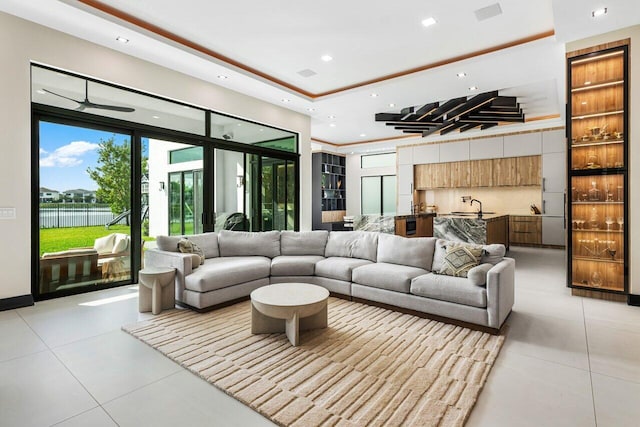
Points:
[(481, 173), (441, 175), (460, 174), (528, 170), (422, 177), (504, 172), (525, 230)]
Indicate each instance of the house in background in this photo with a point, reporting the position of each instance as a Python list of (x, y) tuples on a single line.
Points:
[(79, 196), (49, 196)]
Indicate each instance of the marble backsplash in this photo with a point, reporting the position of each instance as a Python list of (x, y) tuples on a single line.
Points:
[(503, 200)]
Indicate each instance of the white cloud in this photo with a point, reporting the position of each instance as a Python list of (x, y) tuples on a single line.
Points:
[(68, 155)]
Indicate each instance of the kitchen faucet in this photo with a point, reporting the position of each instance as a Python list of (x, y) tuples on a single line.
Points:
[(480, 203)]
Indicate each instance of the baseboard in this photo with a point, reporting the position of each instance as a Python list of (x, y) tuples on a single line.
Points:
[(16, 302), (633, 300)]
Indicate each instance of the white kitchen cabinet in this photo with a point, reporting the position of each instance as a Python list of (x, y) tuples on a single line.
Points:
[(405, 155), (525, 144), (405, 179), (426, 154), (486, 148), (454, 151), (554, 172), (403, 206), (553, 203), (553, 231), (554, 141)]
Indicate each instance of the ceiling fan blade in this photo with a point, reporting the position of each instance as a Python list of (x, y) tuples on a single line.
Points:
[(61, 96), (108, 107)]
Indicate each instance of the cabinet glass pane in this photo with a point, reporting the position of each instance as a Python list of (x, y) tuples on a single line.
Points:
[(371, 195)]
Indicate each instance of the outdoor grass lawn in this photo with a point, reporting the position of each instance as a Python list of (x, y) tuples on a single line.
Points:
[(61, 239)]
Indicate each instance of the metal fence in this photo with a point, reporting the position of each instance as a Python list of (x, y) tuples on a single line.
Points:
[(58, 215)]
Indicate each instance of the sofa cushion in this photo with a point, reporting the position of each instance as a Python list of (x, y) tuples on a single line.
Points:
[(478, 274), (352, 244), (294, 265), (339, 268), (218, 273), (247, 243), (414, 252), (208, 242), (303, 242), (387, 276), (458, 290), (493, 254), (120, 243), (459, 258)]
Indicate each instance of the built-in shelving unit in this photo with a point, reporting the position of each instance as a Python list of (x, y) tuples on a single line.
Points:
[(329, 190), (598, 129)]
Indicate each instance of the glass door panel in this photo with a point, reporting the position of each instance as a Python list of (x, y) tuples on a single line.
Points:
[(371, 195), (229, 191), (389, 195), (84, 209)]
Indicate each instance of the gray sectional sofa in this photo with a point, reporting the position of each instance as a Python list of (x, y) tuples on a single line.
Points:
[(365, 266)]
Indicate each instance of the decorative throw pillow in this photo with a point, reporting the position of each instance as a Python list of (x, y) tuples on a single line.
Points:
[(186, 246), (195, 261), (460, 258)]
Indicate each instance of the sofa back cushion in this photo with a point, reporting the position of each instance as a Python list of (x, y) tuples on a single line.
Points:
[(352, 244), (414, 252), (208, 242), (303, 242), (246, 243), (492, 254)]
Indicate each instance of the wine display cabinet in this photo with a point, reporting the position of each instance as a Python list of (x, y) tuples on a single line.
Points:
[(597, 129)]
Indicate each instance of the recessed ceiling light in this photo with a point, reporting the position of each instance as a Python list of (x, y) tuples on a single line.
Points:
[(122, 39), (392, 105), (223, 77), (461, 75), (374, 95), (331, 117), (326, 58), (428, 21), (332, 125), (41, 92), (311, 110), (285, 100), (598, 12), (472, 88), (156, 117), (363, 135)]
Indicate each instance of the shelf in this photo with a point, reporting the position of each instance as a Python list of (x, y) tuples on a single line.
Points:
[(597, 85), (593, 144), (597, 288), (590, 116), (597, 203), (598, 171), (597, 230), (605, 260)]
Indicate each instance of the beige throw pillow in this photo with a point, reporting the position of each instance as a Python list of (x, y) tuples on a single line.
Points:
[(459, 258), (186, 246)]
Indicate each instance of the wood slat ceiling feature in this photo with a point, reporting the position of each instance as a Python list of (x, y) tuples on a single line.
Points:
[(484, 110)]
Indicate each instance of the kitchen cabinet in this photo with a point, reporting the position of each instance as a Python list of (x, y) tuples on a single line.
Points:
[(405, 155), (525, 230), (426, 154), (405, 179), (423, 174), (554, 172), (454, 151), (523, 144), (486, 148), (424, 226), (441, 175), (504, 172), (460, 176), (528, 170), (554, 141), (481, 173), (598, 127), (553, 231)]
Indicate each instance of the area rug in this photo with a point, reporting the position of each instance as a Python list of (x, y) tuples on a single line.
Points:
[(370, 367)]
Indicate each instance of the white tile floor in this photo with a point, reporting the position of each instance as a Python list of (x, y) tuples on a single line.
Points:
[(567, 361)]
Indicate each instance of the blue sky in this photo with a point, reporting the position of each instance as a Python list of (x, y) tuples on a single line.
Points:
[(66, 152)]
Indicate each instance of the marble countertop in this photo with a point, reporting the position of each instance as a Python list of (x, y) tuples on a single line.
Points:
[(422, 214), (485, 217)]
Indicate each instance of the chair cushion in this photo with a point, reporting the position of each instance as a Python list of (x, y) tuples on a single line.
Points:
[(218, 273), (339, 268), (104, 245), (247, 243), (352, 244), (120, 243), (294, 265), (391, 277), (414, 252), (458, 290), (303, 242)]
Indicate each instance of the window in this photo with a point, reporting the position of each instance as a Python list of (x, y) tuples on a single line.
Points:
[(378, 160), (378, 195), (185, 155)]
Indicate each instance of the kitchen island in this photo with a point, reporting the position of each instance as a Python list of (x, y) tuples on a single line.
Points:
[(471, 228)]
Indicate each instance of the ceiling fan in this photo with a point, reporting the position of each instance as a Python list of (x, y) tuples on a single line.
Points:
[(88, 104)]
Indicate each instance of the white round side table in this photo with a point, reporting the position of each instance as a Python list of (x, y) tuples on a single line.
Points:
[(156, 289)]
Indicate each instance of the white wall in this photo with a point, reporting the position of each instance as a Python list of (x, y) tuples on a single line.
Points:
[(634, 152), (22, 42), (354, 173)]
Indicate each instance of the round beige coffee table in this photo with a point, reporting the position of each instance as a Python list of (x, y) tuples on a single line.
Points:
[(154, 291), (289, 308)]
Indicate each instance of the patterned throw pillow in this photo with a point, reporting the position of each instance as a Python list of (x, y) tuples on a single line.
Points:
[(186, 246), (460, 258)]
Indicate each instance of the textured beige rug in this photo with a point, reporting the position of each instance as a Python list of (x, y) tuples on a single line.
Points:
[(370, 367)]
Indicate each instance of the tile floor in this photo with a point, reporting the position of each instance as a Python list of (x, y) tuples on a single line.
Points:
[(567, 361)]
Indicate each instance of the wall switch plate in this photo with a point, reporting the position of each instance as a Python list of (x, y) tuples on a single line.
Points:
[(7, 213)]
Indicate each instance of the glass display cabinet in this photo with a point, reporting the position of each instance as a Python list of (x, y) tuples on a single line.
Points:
[(598, 129)]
